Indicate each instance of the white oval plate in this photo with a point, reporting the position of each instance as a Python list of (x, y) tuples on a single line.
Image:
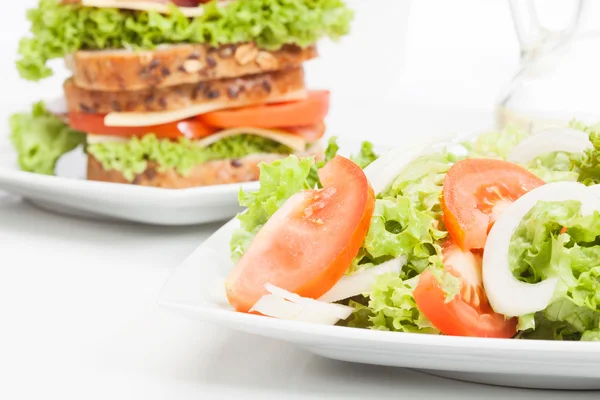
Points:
[(69, 193), (195, 289)]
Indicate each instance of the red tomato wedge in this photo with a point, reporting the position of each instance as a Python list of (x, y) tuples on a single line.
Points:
[(308, 244), (476, 191), (311, 133), (309, 111), (468, 313), (94, 123)]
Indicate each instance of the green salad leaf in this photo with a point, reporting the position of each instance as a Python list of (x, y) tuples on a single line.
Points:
[(587, 163), (366, 155), (59, 29), (495, 144), (40, 139), (391, 307), (540, 249), (132, 157), (554, 167)]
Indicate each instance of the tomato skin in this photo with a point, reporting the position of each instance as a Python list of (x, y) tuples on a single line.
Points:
[(94, 123), (310, 111), (309, 243), (469, 312), (475, 191), (311, 133)]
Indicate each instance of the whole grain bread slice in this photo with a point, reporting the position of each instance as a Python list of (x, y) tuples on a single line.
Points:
[(232, 92), (216, 172), (121, 70)]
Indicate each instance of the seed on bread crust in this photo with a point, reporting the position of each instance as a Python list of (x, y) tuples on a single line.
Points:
[(193, 65), (246, 53), (266, 60)]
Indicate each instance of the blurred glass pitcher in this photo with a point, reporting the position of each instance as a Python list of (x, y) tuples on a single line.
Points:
[(559, 76)]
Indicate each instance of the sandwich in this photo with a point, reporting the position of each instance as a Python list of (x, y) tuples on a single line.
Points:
[(176, 94)]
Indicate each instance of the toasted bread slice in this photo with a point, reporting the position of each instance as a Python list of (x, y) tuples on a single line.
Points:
[(123, 70), (232, 92), (216, 172)]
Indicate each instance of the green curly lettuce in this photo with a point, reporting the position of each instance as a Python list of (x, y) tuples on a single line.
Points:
[(59, 29), (554, 167), (587, 163), (131, 157), (40, 139), (366, 155), (540, 249), (495, 144), (391, 307)]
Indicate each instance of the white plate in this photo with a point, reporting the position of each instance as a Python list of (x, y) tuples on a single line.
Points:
[(69, 193), (194, 287)]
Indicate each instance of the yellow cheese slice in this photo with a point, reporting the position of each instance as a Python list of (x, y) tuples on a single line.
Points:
[(164, 117), (190, 12)]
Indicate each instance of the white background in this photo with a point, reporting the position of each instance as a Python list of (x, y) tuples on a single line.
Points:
[(77, 297)]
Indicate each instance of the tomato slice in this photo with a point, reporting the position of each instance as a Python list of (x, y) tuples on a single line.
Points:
[(311, 133), (94, 123), (308, 244), (476, 191), (468, 313), (309, 111)]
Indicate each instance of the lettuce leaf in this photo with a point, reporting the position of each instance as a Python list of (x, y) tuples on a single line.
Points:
[(391, 307), (587, 163), (40, 139), (58, 30), (366, 155), (495, 144), (554, 167), (540, 250), (132, 157)]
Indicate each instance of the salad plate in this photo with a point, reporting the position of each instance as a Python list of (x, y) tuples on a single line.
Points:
[(195, 290), (470, 265), (69, 193)]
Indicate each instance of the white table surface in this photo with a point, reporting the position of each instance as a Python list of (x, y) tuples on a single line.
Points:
[(78, 309)]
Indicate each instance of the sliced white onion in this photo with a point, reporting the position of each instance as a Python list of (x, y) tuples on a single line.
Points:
[(548, 141), (285, 305), (339, 310), (506, 294), (361, 282)]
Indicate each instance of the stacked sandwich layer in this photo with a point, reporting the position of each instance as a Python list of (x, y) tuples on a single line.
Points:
[(176, 96)]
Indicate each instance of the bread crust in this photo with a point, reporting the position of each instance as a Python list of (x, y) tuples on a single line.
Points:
[(216, 172), (249, 90), (125, 70)]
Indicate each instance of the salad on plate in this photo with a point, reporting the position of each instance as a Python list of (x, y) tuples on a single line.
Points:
[(497, 236)]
